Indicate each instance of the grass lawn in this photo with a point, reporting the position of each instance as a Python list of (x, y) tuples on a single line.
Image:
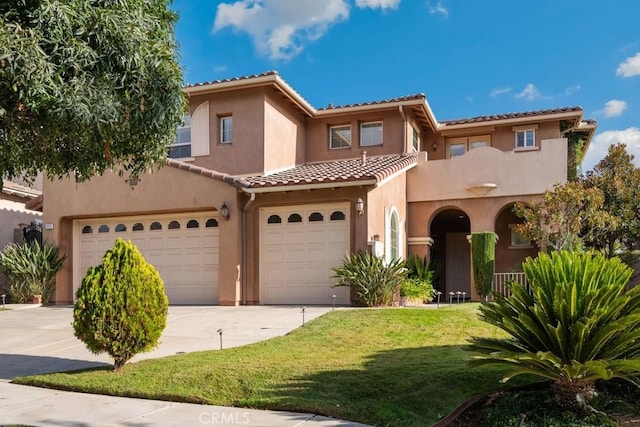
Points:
[(376, 366)]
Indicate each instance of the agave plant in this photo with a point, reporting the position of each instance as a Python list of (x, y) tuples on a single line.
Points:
[(577, 326), (374, 280), (31, 269)]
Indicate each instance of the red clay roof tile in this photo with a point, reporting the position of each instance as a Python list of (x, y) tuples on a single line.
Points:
[(339, 171), (506, 116)]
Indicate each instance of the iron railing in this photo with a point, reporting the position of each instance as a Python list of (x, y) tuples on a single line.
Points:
[(500, 281)]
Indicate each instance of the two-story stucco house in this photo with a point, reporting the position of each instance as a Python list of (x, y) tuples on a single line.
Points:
[(264, 194)]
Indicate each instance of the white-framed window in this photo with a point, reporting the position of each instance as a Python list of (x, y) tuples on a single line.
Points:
[(181, 148), (370, 134), (518, 240), (226, 130), (459, 146), (525, 138), (416, 140), (394, 236), (340, 136)]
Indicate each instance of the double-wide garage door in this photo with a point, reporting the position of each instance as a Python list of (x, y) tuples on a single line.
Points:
[(182, 247), (299, 245)]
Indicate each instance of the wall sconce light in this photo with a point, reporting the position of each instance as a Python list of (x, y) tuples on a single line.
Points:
[(435, 145), (224, 210), (359, 206), (132, 181)]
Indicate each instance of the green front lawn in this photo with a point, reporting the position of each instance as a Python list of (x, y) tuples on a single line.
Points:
[(376, 366)]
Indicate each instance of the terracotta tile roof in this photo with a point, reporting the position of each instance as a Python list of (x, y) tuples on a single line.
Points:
[(337, 172), (10, 187), (234, 79), (507, 116), (384, 101)]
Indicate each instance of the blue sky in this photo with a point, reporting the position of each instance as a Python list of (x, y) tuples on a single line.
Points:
[(469, 57)]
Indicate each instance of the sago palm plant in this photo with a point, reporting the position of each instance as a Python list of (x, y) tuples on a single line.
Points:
[(577, 326)]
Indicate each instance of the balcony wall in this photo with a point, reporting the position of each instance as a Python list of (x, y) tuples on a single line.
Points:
[(489, 172)]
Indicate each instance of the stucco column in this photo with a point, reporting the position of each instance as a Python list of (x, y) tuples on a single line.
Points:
[(230, 257)]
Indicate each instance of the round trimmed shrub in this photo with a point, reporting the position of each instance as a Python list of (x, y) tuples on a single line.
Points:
[(121, 307)]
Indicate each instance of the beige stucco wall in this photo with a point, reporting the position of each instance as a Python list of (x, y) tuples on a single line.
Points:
[(381, 201), (245, 155), (513, 173), (164, 191), (318, 135), (284, 136)]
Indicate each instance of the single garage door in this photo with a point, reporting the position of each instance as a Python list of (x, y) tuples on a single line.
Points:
[(298, 247), (182, 247)]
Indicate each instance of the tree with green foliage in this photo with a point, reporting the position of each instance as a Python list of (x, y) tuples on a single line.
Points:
[(483, 256), (619, 180), (121, 307), (576, 326), (564, 216), (87, 85)]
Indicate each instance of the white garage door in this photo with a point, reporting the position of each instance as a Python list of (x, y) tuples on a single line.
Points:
[(298, 247), (182, 247)]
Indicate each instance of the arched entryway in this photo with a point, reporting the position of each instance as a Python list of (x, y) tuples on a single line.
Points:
[(451, 251)]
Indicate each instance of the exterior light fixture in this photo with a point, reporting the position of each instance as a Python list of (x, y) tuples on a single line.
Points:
[(132, 181), (224, 210), (359, 206), (219, 331), (435, 145)]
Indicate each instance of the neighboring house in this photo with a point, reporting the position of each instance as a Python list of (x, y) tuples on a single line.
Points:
[(264, 193), (14, 215)]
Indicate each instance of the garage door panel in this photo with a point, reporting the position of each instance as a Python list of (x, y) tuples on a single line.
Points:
[(296, 258), (186, 258)]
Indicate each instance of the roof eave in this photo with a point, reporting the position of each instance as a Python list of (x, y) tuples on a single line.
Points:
[(304, 187), (266, 80), (576, 115)]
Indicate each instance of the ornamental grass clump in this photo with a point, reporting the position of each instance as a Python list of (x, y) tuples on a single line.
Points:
[(577, 326), (30, 269), (374, 280), (121, 307)]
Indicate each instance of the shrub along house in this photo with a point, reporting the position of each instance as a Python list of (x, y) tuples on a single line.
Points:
[(263, 193)]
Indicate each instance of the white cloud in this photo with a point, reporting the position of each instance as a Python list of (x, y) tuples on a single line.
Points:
[(438, 8), (630, 67), (530, 93), (500, 91), (572, 89), (279, 28), (382, 4), (600, 146), (614, 108)]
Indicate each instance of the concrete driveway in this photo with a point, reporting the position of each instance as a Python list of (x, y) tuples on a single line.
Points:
[(39, 340)]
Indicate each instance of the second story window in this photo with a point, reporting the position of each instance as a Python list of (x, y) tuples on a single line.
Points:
[(181, 148), (226, 130), (340, 136), (370, 134), (459, 146), (416, 140), (525, 138)]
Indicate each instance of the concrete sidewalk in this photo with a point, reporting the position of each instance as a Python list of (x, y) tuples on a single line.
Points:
[(33, 406), (40, 340)]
